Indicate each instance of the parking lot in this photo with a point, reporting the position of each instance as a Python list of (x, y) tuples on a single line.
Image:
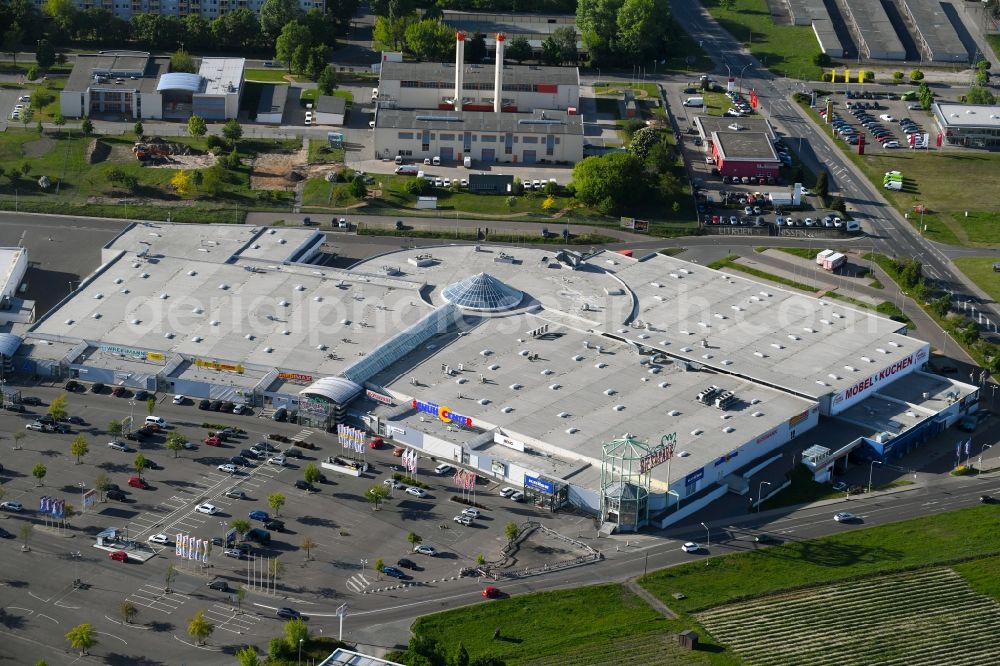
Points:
[(883, 121), (349, 536)]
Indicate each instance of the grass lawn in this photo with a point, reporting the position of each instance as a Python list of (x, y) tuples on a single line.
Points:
[(84, 188), (804, 252), (983, 575), (618, 87), (786, 50), (730, 262), (994, 40), (980, 270), (310, 94), (275, 75), (948, 183), (320, 152), (963, 534)]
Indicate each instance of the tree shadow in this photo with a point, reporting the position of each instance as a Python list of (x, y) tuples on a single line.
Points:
[(118, 659), (9, 621), (160, 627), (314, 521), (115, 468)]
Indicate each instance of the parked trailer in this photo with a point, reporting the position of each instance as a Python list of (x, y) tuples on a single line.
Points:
[(821, 256), (834, 261)]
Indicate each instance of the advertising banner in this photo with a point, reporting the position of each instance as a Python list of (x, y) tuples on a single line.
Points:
[(538, 484), (378, 397), (866, 386)]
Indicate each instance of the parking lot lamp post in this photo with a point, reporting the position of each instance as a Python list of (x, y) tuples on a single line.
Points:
[(979, 463), (131, 414), (760, 488), (708, 536), (871, 469), (749, 64), (363, 563), (301, 641)]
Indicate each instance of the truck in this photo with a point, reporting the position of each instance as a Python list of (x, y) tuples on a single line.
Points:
[(407, 170), (834, 261), (821, 256)]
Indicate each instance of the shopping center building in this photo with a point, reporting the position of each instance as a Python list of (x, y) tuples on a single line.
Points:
[(638, 389)]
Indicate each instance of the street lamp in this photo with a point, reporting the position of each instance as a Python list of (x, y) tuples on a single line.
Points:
[(363, 563), (760, 488), (749, 64), (979, 462), (131, 414), (301, 641), (871, 469), (708, 535)]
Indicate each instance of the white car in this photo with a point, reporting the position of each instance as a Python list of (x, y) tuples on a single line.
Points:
[(276, 460), (887, 118), (11, 505), (471, 513), (228, 468), (443, 469), (463, 519), (393, 483), (179, 399), (506, 491), (424, 550), (416, 492), (447, 182), (27, 99), (210, 509), (691, 547), (464, 182), (235, 493), (844, 517), (805, 192), (161, 539), (117, 446)]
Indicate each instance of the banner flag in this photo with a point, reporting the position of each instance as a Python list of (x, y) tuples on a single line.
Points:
[(177, 545)]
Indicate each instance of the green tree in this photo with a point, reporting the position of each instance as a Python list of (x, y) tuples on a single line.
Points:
[(237, 30), (45, 55), (357, 188), (39, 472), (57, 408), (326, 82), (241, 594), (379, 567), (79, 447), (276, 501), (295, 631), (275, 15), (196, 126), (102, 483), (181, 61), (232, 131), (200, 628), (138, 130), (175, 442), (316, 61), (980, 95), (390, 34), (475, 48), (643, 26), (13, 37), (18, 436), (307, 545), (823, 184), (293, 35), (150, 405), (275, 569), (241, 525), (519, 49), (610, 183), (940, 306), (82, 637), (642, 141), (86, 126), (311, 474), (197, 32), (916, 75), (430, 40), (140, 464), (300, 59), (511, 531), (127, 611), (414, 539), (376, 495), (248, 656), (211, 181), (169, 576), (480, 559), (598, 24)]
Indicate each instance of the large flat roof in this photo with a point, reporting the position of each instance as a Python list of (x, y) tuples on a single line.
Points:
[(710, 124), (934, 29), (225, 292), (873, 25), (968, 115), (744, 145), (122, 67), (223, 76), (547, 122), (445, 72)]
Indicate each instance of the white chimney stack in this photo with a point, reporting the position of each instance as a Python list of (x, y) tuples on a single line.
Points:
[(459, 68), (498, 77)]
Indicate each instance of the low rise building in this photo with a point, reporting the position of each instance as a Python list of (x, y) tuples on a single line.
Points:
[(969, 125), (330, 110), (114, 85)]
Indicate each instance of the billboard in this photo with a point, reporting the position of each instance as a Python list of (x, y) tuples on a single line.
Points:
[(509, 442), (378, 397), (866, 386), (216, 365), (442, 412), (632, 224), (535, 483)]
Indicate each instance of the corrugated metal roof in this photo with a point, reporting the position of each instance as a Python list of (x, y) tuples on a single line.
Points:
[(9, 344), (335, 389), (180, 81)]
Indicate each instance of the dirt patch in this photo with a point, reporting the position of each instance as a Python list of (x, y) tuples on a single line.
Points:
[(97, 151), (38, 147), (286, 171), (183, 162)]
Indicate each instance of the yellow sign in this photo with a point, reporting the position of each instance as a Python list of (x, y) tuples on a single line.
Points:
[(155, 356), (215, 365)]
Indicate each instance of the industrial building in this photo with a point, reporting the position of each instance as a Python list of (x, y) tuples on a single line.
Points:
[(934, 33), (330, 110), (505, 114), (136, 85), (871, 27), (635, 389), (271, 104), (969, 125), (814, 13)]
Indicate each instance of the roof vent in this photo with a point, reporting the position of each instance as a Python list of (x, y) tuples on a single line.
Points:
[(794, 337), (494, 367), (164, 296), (144, 275), (268, 350), (223, 286), (866, 359), (618, 408), (726, 362), (600, 365), (283, 303), (516, 387), (299, 287), (777, 345), (807, 329), (833, 376), (755, 401), (215, 322), (196, 310), (563, 415), (318, 299), (610, 391), (168, 335), (696, 432), (461, 380), (546, 372), (96, 315), (894, 343), (825, 321), (507, 410), (850, 368), (663, 384), (674, 412), (196, 338), (285, 332), (68, 322), (719, 315), (135, 322), (685, 349), (736, 308), (524, 352), (572, 431), (821, 382), (484, 401), (118, 280), (758, 414), (321, 347), (555, 387), (486, 352), (725, 417), (760, 354), (578, 358), (124, 291), (728, 429), (881, 351), (98, 296), (248, 336), (192, 273)]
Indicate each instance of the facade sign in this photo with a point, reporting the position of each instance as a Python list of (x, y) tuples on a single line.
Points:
[(498, 468), (538, 484), (156, 356), (866, 386), (378, 397), (726, 458), (509, 442), (296, 377), (767, 435), (661, 454), (442, 412), (122, 351), (395, 431), (798, 418), (215, 365), (694, 477)]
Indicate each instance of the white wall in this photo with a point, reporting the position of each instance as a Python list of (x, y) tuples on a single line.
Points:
[(70, 104), (387, 143), (152, 105)]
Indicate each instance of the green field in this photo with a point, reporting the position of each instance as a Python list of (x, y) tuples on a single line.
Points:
[(786, 50), (275, 75), (980, 270), (606, 625), (84, 188)]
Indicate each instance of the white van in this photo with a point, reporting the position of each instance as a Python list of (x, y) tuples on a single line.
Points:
[(694, 101), (894, 185), (436, 161), (467, 162), (374, 94), (156, 420), (399, 159)]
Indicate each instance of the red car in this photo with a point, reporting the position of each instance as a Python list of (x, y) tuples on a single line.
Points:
[(376, 443), (138, 482), (118, 555), (398, 451), (491, 593), (213, 441)]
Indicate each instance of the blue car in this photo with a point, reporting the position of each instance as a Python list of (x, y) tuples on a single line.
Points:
[(259, 515), (394, 572)]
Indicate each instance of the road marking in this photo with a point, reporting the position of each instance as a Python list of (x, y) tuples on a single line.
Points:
[(48, 618), (358, 583)]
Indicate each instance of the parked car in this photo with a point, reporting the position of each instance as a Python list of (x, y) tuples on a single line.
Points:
[(97, 387), (118, 446), (443, 469), (141, 396), (424, 549), (406, 563), (471, 513), (138, 482), (210, 509), (491, 592), (72, 386), (691, 547), (279, 414), (11, 505), (844, 517), (213, 441), (31, 401), (393, 572), (179, 399), (118, 555), (463, 519), (233, 552), (288, 613), (117, 495), (204, 403), (258, 515), (416, 492), (517, 496), (220, 585), (303, 485), (228, 468), (276, 460), (392, 483), (275, 525), (161, 539), (236, 493)]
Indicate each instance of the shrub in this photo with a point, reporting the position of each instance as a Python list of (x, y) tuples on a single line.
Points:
[(821, 60), (212, 141), (33, 73), (916, 75), (897, 77), (868, 76), (827, 77)]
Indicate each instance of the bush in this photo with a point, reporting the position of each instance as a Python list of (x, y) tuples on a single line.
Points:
[(821, 60), (897, 77), (916, 75), (212, 141), (33, 73), (868, 76), (417, 186), (827, 77), (277, 649)]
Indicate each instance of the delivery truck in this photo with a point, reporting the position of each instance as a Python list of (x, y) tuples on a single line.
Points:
[(821, 256), (834, 261)]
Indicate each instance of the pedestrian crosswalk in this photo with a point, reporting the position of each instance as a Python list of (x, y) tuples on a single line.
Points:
[(302, 435), (358, 583), (228, 618)]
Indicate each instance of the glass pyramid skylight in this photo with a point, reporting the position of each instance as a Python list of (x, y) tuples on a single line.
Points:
[(482, 292)]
